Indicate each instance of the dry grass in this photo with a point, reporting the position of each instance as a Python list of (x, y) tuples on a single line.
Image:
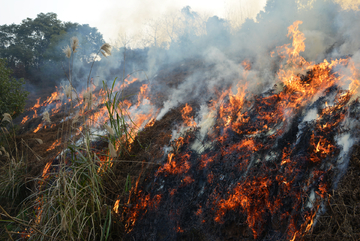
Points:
[(68, 200), (341, 221)]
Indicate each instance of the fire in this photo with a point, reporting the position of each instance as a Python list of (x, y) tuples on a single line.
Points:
[(116, 206), (179, 166), (252, 196), (143, 94), (38, 127), (46, 170), (185, 112), (54, 97), (25, 119), (150, 123), (125, 84), (35, 107), (147, 202), (179, 230), (298, 41), (54, 145), (246, 64), (258, 153), (105, 163), (265, 156)]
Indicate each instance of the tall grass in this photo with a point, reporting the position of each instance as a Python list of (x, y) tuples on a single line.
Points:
[(72, 206), (13, 169), (10, 178), (68, 200), (119, 119)]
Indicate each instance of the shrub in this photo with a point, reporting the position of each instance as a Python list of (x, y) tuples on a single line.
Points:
[(12, 92)]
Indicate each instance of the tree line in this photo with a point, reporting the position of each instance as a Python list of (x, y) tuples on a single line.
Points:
[(33, 48)]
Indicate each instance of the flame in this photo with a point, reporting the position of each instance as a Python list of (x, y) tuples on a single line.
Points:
[(150, 123), (185, 112), (179, 229), (252, 196), (52, 98), (35, 107), (246, 64), (38, 127), (46, 170), (54, 145), (142, 94), (116, 206), (268, 116), (146, 202), (25, 119), (125, 84), (105, 163), (299, 83), (178, 166)]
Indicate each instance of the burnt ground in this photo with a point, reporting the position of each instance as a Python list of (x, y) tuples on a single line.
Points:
[(152, 138), (340, 221)]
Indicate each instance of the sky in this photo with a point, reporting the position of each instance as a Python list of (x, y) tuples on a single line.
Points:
[(113, 16)]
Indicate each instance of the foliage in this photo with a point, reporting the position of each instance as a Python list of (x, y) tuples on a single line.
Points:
[(119, 119), (12, 93), (13, 172), (33, 48), (71, 200)]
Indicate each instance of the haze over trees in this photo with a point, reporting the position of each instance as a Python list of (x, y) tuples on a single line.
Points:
[(33, 48)]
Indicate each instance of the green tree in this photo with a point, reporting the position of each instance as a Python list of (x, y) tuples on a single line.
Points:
[(24, 45), (33, 49), (12, 93)]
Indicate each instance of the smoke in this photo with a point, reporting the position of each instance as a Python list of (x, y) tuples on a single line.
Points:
[(349, 4), (346, 142), (133, 17), (311, 115), (217, 46)]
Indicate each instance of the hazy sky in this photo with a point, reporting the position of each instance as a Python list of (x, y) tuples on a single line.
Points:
[(111, 15)]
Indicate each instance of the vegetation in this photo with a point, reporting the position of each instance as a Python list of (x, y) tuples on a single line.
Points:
[(33, 47), (12, 93), (68, 199), (72, 196)]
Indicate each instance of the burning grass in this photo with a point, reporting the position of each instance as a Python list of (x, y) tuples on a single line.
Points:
[(238, 166)]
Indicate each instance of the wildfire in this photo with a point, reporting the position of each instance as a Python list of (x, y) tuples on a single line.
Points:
[(116, 206), (35, 107), (38, 127), (261, 147), (54, 145), (264, 159), (143, 94), (46, 170), (189, 121), (25, 119)]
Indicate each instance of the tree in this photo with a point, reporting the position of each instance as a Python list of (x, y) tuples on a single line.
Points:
[(33, 49), (24, 45), (12, 93)]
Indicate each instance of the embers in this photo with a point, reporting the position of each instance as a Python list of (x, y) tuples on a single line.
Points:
[(252, 180), (269, 164)]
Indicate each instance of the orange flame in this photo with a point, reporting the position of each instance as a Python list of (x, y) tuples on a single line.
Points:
[(54, 145), (46, 170), (185, 112), (25, 119)]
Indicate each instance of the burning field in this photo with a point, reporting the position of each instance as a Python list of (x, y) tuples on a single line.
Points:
[(254, 166), (236, 159)]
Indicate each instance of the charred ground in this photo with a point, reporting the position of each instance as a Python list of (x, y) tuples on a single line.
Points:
[(181, 209)]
